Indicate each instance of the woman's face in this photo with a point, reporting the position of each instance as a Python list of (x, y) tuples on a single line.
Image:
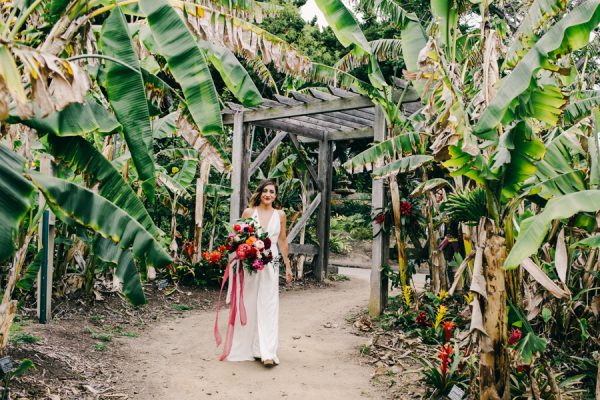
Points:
[(268, 195)]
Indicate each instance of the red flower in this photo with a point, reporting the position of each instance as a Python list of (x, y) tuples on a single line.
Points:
[(515, 336), (222, 249), (252, 254), (228, 246), (215, 257), (405, 207), (189, 249), (237, 227), (524, 368), (445, 355), (379, 218), (267, 243), (250, 228), (448, 327), (242, 250), (422, 319)]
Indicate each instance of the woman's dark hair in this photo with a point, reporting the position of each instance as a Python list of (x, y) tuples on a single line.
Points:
[(255, 198)]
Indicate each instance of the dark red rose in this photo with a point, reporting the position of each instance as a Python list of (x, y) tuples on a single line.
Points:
[(267, 243), (250, 229), (380, 218)]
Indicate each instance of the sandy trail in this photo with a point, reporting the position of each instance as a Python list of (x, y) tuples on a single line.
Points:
[(178, 359)]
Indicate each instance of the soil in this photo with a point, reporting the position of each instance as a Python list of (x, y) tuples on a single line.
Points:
[(107, 349)]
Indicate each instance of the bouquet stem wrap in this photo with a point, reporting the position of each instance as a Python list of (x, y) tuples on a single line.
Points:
[(237, 278)]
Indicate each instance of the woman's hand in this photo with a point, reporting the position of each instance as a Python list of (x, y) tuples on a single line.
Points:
[(288, 270)]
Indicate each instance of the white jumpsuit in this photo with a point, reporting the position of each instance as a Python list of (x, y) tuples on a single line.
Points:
[(260, 336)]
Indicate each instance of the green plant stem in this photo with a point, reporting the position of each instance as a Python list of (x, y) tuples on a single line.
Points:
[(23, 17)]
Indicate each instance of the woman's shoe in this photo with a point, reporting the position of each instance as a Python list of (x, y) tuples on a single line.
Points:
[(269, 363)]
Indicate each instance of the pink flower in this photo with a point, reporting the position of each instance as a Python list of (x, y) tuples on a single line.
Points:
[(258, 265), (259, 244), (242, 250)]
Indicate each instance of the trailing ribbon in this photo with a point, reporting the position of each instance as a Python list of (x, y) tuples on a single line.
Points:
[(238, 275)]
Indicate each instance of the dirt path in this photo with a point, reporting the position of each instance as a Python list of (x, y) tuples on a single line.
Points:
[(178, 359)]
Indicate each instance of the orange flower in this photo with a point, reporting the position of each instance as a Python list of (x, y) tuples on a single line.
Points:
[(251, 240)]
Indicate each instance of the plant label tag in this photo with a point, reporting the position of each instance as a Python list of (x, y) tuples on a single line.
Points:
[(456, 393)]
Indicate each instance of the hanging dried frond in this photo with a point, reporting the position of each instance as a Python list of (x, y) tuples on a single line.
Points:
[(246, 39), (249, 10), (195, 139), (54, 83), (325, 74), (384, 50)]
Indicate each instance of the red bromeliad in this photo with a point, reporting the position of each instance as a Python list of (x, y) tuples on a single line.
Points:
[(515, 336), (445, 355), (448, 327)]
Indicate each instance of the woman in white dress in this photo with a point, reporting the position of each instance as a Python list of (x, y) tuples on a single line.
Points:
[(258, 339)]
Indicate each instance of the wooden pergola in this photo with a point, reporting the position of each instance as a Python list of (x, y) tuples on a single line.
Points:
[(322, 117)]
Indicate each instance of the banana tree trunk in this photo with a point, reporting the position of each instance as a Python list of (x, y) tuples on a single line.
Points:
[(402, 263), (494, 361), (199, 209)]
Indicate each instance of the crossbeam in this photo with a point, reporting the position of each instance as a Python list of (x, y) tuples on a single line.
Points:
[(266, 152), (311, 170), (292, 128), (351, 103), (309, 211)]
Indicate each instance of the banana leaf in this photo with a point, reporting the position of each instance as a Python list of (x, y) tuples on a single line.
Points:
[(127, 96), (125, 268), (165, 127), (429, 185), (569, 34), (555, 174), (447, 14), (413, 41), (76, 119), (232, 72), (399, 144), (581, 106), (525, 36), (188, 65), (16, 198), (74, 204), (78, 153), (403, 165), (343, 24), (534, 229)]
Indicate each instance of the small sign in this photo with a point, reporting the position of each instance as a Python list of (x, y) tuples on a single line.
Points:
[(6, 365), (456, 393)]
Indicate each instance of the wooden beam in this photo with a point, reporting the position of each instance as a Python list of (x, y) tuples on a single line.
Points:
[(266, 152), (302, 109), (295, 248), (362, 133), (237, 161), (46, 167), (378, 294), (246, 154), (309, 211), (311, 170), (343, 120), (292, 128), (325, 161)]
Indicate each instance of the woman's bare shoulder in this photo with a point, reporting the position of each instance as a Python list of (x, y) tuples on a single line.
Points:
[(247, 212), (281, 213)]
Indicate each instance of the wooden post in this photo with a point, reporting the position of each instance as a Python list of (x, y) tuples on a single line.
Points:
[(379, 286), (246, 154), (46, 167), (237, 161), (325, 179)]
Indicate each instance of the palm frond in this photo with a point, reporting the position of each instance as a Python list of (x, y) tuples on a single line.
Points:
[(384, 50)]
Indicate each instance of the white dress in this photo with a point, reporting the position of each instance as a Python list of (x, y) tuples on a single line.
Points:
[(260, 336)]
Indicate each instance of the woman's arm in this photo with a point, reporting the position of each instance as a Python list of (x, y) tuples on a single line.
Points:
[(283, 248)]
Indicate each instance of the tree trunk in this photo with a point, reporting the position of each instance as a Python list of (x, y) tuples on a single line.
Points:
[(494, 361), (199, 209), (402, 263)]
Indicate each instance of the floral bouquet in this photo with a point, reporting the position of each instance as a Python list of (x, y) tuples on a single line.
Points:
[(252, 249)]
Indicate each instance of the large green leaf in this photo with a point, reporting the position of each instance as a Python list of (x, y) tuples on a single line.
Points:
[(75, 204), (533, 230), (187, 64), (581, 106), (16, 198), (233, 73), (399, 144), (125, 269), (570, 33), (555, 173), (403, 165), (74, 120), (525, 36), (446, 13), (81, 155), (343, 24), (30, 274), (127, 95), (518, 154)]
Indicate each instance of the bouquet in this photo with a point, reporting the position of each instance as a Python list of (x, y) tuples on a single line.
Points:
[(252, 249)]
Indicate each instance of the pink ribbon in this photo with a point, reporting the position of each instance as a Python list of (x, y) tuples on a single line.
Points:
[(238, 275)]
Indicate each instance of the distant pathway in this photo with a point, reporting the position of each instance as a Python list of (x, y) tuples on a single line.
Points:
[(178, 360)]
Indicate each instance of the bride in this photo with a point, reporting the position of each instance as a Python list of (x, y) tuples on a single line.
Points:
[(258, 339)]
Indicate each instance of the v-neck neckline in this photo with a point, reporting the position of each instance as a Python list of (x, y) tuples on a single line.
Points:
[(268, 222)]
